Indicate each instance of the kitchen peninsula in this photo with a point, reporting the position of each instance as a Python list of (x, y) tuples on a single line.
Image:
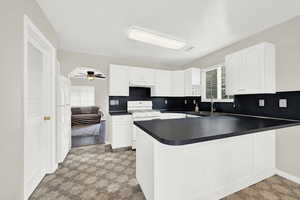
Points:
[(205, 158)]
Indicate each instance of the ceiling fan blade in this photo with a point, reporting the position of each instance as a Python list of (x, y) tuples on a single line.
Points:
[(81, 73), (100, 76), (79, 76)]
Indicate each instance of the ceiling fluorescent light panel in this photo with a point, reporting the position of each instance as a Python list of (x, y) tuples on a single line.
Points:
[(157, 39)]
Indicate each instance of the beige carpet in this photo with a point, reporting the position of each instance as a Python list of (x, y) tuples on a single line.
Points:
[(274, 188), (90, 173)]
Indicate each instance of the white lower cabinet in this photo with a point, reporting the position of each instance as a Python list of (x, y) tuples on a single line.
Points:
[(120, 131), (204, 170)]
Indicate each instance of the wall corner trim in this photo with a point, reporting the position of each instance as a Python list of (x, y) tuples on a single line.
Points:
[(288, 176)]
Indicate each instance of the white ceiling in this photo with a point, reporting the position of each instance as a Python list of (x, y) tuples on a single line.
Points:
[(99, 27)]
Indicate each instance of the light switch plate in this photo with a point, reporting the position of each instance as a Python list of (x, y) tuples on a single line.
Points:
[(261, 103), (282, 103)]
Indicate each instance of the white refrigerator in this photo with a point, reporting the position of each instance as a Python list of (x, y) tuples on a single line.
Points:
[(63, 116)]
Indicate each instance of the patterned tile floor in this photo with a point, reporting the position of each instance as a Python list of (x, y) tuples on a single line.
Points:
[(90, 173)]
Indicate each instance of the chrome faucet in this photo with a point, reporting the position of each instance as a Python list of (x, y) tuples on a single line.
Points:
[(211, 99), (212, 105)]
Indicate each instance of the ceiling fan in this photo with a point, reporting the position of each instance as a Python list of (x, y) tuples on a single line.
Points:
[(87, 73)]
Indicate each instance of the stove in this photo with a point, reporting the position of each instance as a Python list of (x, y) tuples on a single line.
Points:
[(141, 111)]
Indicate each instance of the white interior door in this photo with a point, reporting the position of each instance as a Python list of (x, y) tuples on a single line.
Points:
[(39, 107), (60, 127), (68, 113), (35, 140), (63, 119)]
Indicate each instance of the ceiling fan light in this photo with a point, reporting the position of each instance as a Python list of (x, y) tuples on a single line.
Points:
[(91, 78), (90, 75), (150, 37)]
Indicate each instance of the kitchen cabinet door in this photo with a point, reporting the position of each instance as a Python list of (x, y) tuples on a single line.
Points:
[(177, 83), (162, 83), (252, 72), (233, 64), (141, 76), (118, 80), (192, 82), (121, 131)]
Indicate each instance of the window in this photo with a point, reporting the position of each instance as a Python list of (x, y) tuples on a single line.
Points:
[(82, 96), (214, 85)]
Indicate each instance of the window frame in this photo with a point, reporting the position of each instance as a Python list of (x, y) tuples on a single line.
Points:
[(219, 80)]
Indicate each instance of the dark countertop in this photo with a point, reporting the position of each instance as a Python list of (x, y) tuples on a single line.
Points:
[(119, 113), (199, 113), (194, 130)]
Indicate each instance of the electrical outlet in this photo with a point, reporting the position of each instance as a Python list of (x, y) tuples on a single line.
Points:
[(166, 102), (185, 101), (282, 103), (261, 103)]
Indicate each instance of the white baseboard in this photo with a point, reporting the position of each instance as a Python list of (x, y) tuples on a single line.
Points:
[(288, 176)]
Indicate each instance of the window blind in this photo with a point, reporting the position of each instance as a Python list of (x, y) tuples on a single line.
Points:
[(82, 96), (212, 84)]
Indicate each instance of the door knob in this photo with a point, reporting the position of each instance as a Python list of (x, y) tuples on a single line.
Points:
[(47, 118)]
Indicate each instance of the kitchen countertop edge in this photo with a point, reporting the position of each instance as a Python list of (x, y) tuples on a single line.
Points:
[(214, 137)]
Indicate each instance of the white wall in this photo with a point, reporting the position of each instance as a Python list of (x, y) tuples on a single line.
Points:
[(38, 17), (287, 150), (287, 40), (11, 87), (11, 117)]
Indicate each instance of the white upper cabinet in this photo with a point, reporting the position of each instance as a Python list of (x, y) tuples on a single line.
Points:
[(118, 80), (251, 71), (233, 62), (141, 76), (177, 83), (162, 85), (192, 82)]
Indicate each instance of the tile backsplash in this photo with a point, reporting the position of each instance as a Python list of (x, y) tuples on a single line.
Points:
[(243, 104), (175, 103), (249, 105), (159, 103)]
